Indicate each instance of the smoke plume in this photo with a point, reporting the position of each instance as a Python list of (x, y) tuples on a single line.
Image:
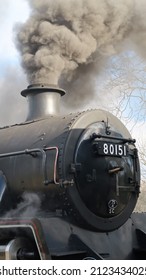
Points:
[(65, 40)]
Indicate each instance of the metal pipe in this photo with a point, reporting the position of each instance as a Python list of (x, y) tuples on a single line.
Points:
[(33, 152), (123, 140)]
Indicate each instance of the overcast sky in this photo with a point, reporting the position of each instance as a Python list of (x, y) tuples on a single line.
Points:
[(11, 12), (13, 107)]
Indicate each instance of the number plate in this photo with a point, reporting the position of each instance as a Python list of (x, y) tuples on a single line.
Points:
[(111, 149)]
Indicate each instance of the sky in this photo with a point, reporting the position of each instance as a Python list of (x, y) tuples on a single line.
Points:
[(13, 108), (11, 13)]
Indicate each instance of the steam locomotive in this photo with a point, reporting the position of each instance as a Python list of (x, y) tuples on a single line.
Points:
[(84, 170)]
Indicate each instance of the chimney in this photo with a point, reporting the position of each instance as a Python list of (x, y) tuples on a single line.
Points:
[(43, 100)]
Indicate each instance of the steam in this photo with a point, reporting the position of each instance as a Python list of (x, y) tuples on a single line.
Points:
[(28, 207), (62, 38)]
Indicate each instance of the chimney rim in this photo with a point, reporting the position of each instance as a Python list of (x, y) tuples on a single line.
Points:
[(40, 88)]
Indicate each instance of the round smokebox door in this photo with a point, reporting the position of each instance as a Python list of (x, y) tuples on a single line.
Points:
[(105, 179)]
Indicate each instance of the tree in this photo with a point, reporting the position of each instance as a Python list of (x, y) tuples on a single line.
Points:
[(126, 80)]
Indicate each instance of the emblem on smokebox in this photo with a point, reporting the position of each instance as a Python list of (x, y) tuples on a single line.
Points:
[(112, 204)]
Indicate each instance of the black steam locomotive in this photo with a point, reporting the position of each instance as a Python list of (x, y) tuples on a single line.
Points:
[(84, 170)]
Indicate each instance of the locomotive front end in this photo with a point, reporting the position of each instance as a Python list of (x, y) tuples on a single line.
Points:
[(105, 168), (82, 167)]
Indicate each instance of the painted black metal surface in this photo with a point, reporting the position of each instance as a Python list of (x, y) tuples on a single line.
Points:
[(84, 168), (55, 237)]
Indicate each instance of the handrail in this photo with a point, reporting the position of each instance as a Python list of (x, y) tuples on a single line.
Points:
[(33, 152)]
